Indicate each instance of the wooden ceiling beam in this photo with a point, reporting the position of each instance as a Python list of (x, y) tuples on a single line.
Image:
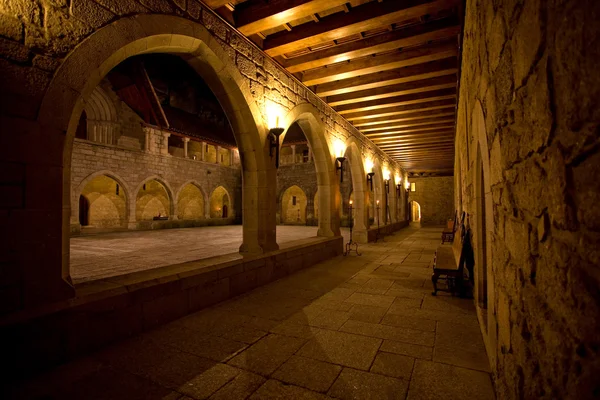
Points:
[(407, 74), (415, 106), (408, 124), (359, 19), (386, 135), (408, 37), (397, 101), (420, 86), (258, 15), (380, 63), (424, 116), (418, 137), (447, 141)]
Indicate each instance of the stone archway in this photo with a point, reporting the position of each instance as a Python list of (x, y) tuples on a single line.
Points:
[(106, 203), (220, 203), (190, 202), (483, 219), (415, 211), (83, 69), (378, 188), (308, 117), (293, 206), (361, 215), (153, 199), (124, 192)]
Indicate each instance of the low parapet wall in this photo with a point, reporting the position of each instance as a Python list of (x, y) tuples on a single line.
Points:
[(115, 308), (385, 230)]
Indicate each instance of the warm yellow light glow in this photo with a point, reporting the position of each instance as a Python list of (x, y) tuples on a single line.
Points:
[(350, 202), (377, 202), (386, 174), (274, 114), (398, 179), (369, 165), (407, 185), (338, 148)]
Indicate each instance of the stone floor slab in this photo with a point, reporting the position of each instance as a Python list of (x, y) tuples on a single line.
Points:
[(239, 388), (308, 373), (359, 385), (394, 365), (342, 348), (207, 383), (389, 332), (266, 355), (370, 300), (441, 381), (407, 349), (275, 390), (409, 322), (463, 358)]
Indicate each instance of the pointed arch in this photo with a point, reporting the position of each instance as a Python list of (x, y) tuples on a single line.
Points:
[(166, 204), (361, 215), (309, 119), (197, 203)]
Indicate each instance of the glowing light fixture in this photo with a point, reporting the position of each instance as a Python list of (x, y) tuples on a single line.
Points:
[(275, 129)]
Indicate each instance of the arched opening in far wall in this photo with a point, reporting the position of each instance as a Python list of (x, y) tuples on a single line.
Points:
[(415, 211), (293, 206), (220, 204), (153, 202), (190, 203), (103, 204)]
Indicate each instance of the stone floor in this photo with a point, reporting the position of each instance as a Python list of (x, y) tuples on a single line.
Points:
[(350, 328), (109, 254)]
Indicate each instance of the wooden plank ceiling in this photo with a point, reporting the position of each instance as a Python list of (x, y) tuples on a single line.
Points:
[(389, 67)]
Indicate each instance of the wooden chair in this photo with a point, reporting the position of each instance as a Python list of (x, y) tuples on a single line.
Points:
[(448, 233)]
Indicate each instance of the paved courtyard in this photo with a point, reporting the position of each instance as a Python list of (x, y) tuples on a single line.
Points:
[(109, 254), (350, 328)]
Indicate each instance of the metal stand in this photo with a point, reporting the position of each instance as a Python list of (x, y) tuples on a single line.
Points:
[(351, 246), (378, 233)]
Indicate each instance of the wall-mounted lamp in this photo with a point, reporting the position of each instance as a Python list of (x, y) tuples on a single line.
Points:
[(387, 185), (398, 188), (339, 166), (275, 130), (407, 185), (370, 179)]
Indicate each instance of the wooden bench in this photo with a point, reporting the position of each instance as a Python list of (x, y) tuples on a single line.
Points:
[(450, 261)]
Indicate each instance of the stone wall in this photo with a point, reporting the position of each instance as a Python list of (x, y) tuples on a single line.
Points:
[(132, 169), (435, 195), (304, 176), (527, 173)]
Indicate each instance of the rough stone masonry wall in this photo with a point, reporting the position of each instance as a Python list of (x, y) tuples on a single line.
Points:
[(435, 195), (533, 67)]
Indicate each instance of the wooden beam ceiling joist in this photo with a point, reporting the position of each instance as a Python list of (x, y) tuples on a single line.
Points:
[(216, 3), (408, 37), (384, 113), (407, 74), (258, 15), (375, 137), (397, 101), (417, 138), (408, 124), (380, 63), (420, 86), (429, 142), (424, 116), (362, 18)]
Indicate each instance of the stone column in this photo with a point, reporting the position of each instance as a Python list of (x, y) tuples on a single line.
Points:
[(164, 149), (309, 155), (202, 151), (231, 155), (185, 147), (217, 150), (147, 140), (293, 153)]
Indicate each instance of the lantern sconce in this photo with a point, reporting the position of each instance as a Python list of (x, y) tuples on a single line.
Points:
[(407, 186), (274, 132), (339, 166), (398, 188), (370, 179), (387, 185)]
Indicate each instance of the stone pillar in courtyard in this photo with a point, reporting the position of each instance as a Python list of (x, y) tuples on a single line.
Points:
[(202, 151), (217, 155), (164, 148), (309, 155), (185, 147), (293, 153), (231, 155)]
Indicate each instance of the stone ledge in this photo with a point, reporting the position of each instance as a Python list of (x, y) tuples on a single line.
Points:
[(118, 307), (385, 229)]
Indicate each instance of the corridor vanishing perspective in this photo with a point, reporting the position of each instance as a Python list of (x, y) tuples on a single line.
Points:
[(183, 180), (364, 328)]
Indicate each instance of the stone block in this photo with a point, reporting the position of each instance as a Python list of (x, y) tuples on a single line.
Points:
[(243, 282), (165, 309), (208, 294)]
